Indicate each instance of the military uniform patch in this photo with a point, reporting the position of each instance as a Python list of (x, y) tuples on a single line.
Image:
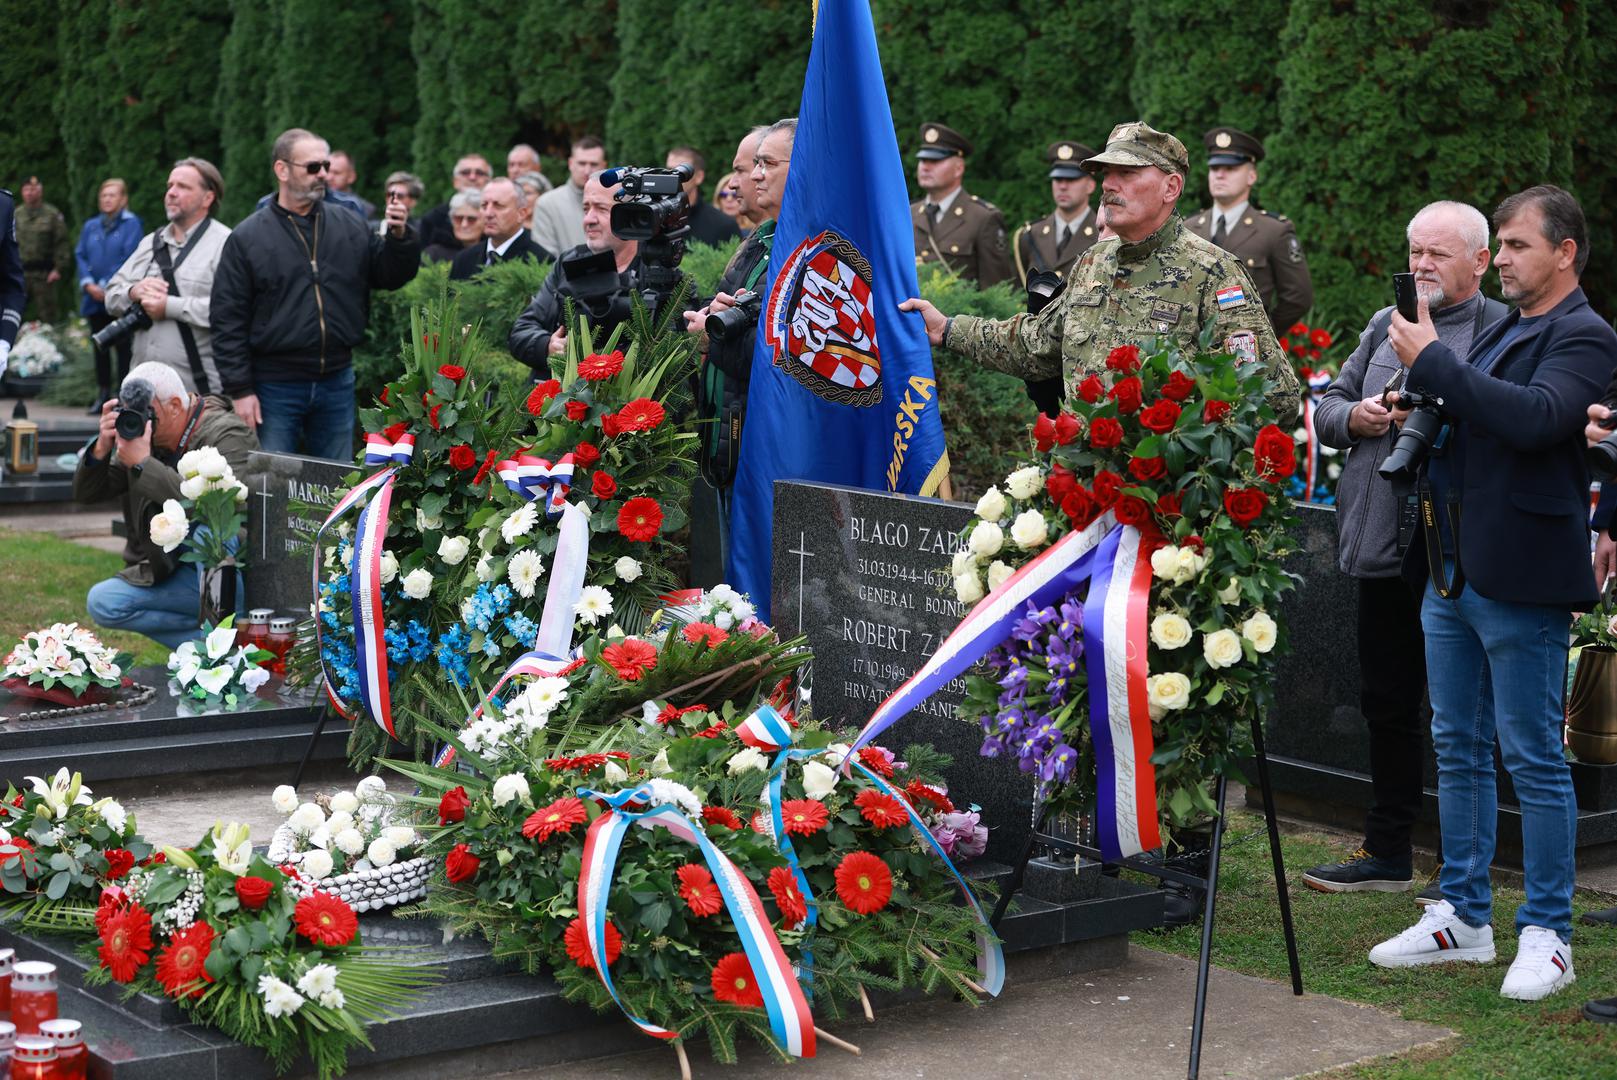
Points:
[(1243, 345), (1294, 249), (1232, 297), (1166, 311), (822, 323)]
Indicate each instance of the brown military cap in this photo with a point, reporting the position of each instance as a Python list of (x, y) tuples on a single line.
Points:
[(1138, 143), (1064, 156), (939, 141), (1227, 146)]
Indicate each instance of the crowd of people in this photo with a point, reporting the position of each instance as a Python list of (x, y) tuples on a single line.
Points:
[(1467, 575)]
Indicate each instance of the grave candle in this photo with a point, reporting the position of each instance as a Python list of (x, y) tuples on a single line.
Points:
[(7, 957), (33, 995), (279, 642), (72, 1056), (258, 621), (8, 1038), (34, 1058)]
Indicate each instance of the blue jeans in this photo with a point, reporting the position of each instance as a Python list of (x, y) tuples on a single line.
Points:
[(320, 413), (165, 612), (1498, 670)]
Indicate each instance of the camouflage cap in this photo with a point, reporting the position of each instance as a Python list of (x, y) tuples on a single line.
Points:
[(1138, 143)]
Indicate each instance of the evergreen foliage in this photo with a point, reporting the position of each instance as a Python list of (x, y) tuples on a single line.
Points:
[(31, 85), (1202, 63), (560, 100), (247, 64), (81, 39)]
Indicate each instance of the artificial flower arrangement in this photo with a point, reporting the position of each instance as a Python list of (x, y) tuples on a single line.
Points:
[(252, 949), (34, 354), (216, 671), (210, 513), (1184, 449), (472, 535), (1313, 353), (64, 663), (642, 723), (58, 847), (348, 844)]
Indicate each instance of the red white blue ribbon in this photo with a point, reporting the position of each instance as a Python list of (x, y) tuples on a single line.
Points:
[(1062, 567), (788, 1009), (528, 476), (1318, 383), (379, 451)]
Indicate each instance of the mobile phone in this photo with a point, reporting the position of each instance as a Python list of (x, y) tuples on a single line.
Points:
[(1404, 295), (1394, 384)]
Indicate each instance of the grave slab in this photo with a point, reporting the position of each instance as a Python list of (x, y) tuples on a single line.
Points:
[(285, 488)]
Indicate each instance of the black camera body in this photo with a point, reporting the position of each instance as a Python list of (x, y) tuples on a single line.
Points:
[(1602, 456), (733, 322), (650, 203), (134, 409), (1420, 435), (125, 325)]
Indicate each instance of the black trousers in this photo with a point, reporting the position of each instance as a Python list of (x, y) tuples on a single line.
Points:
[(103, 357), (1392, 690)]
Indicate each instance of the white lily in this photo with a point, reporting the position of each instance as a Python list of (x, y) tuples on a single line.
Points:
[(62, 793), (220, 641), (233, 847)]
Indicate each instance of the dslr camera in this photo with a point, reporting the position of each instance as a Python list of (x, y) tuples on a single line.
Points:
[(733, 322), (1421, 432), (134, 409), (126, 324), (1602, 456)]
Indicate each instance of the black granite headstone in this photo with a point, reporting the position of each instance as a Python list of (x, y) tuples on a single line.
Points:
[(865, 576), (280, 526)]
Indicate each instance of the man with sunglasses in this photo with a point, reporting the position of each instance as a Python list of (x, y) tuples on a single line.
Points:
[(471, 173), (290, 299)]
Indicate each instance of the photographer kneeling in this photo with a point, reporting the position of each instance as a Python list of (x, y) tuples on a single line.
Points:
[(144, 431), (1502, 551)]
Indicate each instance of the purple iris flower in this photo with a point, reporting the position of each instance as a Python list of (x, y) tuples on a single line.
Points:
[(1058, 764)]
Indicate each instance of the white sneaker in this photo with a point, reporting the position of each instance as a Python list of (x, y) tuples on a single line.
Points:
[(1542, 966), (1439, 938)]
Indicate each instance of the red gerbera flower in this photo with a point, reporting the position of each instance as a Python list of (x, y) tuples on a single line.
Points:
[(733, 981), (1320, 338), (180, 967), (864, 883), (877, 760), (559, 817), (919, 792), (452, 372), (641, 414), (881, 810), (639, 519), (699, 891), (325, 920), (1298, 329), (793, 908), (630, 658), (721, 815), (577, 944), (541, 394), (119, 862), (126, 942), (698, 632), (712, 731), (597, 366), (803, 817)]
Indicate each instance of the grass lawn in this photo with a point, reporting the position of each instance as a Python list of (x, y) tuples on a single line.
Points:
[(1546, 1040), (46, 579)]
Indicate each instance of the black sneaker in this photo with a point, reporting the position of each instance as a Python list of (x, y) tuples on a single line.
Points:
[(1361, 872), (1602, 917), (1601, 1010), (1433, 892)]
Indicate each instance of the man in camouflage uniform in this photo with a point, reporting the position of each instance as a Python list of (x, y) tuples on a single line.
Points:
[(46, 248), (1153, 279), (958, 229)]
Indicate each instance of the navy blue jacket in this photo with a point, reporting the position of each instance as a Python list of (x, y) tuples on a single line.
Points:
[(12, 286), (1518, 449)]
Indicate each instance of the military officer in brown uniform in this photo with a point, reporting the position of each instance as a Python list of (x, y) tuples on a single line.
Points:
[(1266, 243), (1055, 242), (951, 226)]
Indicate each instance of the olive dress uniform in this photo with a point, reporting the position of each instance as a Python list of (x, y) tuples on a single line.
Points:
[(969, 235), (1053, 245)]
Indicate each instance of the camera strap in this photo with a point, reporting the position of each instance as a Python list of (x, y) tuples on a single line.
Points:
[(160, 256), (1446, 588)]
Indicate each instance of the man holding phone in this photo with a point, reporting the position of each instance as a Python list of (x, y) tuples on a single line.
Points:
[(1448, 254)]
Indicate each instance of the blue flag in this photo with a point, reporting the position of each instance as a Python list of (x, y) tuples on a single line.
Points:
[(842, 387)]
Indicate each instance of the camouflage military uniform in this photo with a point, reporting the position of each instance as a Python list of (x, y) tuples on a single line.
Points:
[(43, 239), (1170, 285)]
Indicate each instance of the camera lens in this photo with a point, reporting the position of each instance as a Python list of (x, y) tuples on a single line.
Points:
[(1602, 457), (1414, 442)]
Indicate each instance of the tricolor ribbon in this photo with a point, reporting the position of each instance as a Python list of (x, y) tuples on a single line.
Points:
[(1318, 383), (365, 577), (528, 476), (1130, 815), (788, 1009), (682, 606)]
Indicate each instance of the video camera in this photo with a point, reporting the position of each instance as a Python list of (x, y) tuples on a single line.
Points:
[(650, 208)]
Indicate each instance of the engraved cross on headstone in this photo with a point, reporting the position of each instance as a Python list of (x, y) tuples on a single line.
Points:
[(802, 553), (263, 513)]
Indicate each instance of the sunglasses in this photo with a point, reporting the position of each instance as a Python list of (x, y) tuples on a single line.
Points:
[(730, 193), (313, 168), (465, 219), (398, 196)]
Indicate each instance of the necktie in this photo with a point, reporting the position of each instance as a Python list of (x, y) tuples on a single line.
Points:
[(1065, 235), (932, 212), (488, 256), (1218, 232)]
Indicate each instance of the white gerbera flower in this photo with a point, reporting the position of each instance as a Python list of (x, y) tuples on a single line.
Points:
[(594, 603), (520, 523), (524, 571)]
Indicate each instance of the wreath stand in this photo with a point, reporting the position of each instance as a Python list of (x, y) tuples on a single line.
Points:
[(1209, 884)]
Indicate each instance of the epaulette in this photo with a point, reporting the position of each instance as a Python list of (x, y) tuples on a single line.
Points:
[(984, 202)]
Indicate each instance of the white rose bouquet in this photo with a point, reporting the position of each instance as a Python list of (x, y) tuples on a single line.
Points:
[(62, 662), (347, 844), (210, 513), (216, 670)]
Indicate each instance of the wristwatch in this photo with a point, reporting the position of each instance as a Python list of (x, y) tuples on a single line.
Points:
[(136, 469)]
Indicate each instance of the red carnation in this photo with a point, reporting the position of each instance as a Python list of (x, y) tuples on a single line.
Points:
[(577, 410), (576, 942), (1106, 486), (1161, 416), (1044, 433), (1105, 433), (394, 432), (639, 519), (559, 817), (325, 920), (881, 810), (1274, 453), (733, 981), (1128, 394), (803, 817), (721, 815), (1244, 505), (1178, 387), (1168, 505), (1320, 338), (1147, 468), (699, 891), (488, 463), (462, 457), (119, 862), (697, 632), (788, 897), (541, 394), (1067, 428), (180, 966), (585, 454), (630, 658), (453, 372), (1124, 358), (460, 864), (1214, 411), (254, 892), (1059, 482), (1092, 389), (452, 806), (1298, 329), (919, 792), (126, 942), (597, 367), (641, 414), (864, 883), (1131, 510), (603, 485)]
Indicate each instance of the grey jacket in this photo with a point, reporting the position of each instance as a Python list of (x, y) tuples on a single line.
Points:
[(1366, 506), (195, 279)]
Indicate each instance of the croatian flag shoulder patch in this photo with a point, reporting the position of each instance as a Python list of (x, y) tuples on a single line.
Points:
[(1232, 297)]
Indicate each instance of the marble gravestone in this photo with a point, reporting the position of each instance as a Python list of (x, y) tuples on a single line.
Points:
[(289, 498), (865, 576)]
